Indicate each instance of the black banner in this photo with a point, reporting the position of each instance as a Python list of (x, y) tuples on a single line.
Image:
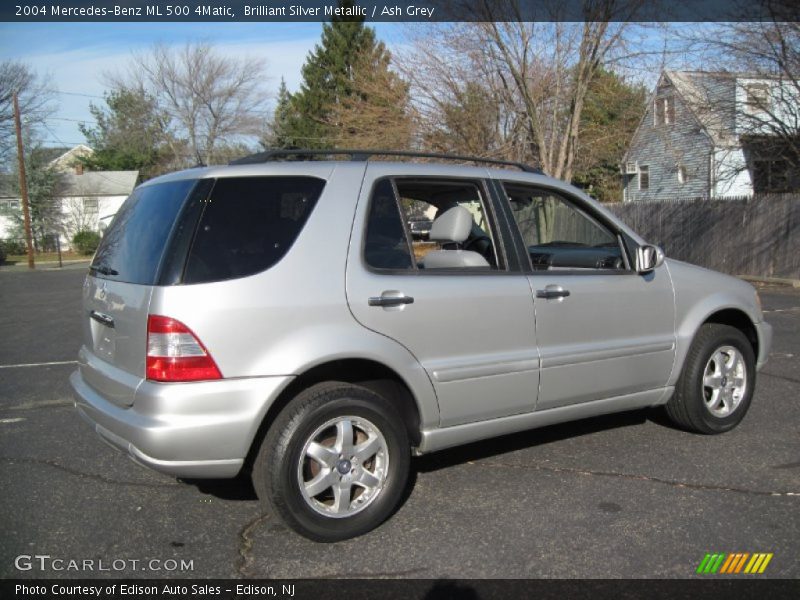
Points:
[(354, 589), (398, 11)]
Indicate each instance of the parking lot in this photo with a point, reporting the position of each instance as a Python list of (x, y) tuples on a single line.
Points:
[(619, 496)]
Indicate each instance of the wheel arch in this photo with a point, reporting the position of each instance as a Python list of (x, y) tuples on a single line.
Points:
[(738, 319), (369, 373), (722, 314)]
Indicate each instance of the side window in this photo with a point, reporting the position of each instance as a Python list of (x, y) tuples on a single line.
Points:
[(386, 246), (403, 214), (644, 177), (248, 225), (559, 236)]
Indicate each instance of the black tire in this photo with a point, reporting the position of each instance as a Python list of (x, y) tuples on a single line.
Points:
[(687, 408), (275, 470)]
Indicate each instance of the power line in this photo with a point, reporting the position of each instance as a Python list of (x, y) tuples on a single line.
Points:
[(78, 94), (71, 120), (62, 143)]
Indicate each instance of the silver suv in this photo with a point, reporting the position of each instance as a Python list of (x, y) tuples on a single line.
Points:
[(276, 317)]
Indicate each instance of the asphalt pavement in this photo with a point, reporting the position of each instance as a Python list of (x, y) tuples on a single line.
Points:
[(619, 496)]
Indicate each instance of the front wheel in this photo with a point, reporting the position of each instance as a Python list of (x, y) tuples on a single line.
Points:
[(717, 383), (335, 462)]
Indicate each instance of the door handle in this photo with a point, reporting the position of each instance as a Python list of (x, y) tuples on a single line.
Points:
[(103, 319), (552, 291), (390, 300)]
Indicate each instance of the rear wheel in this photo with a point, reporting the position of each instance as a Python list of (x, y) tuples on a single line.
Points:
[(335, 462), (716, 386)]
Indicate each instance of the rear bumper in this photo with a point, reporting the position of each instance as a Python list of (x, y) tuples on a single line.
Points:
[(201, 430), (764, 332)]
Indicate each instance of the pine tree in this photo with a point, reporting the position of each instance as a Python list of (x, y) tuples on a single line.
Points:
[(129, 135), (378, 112), (330, 78), (611, 113), (277, 136), (46, 187)]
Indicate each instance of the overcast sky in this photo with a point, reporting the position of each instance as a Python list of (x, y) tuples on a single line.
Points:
[(73, 56)]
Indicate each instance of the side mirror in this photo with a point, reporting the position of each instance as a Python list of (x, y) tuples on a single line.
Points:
[(648, 258)]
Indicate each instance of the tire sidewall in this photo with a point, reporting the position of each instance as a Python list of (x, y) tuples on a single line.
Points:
[(725, 336), (283, 475)]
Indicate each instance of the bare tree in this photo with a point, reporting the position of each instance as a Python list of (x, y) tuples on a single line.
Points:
[(767, 54), (79, 216), (540, 72), (203, 97), (748, 95), (458, 94), (34, 101)]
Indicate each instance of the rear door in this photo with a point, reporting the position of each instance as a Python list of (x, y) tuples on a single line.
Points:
[(116, 293), (471, 328), (603, 329)]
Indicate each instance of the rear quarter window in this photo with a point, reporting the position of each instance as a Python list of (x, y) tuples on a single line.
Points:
[(133, 245), (248, 224)]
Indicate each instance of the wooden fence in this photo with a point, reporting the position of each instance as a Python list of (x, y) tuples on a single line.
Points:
[(758, 236)]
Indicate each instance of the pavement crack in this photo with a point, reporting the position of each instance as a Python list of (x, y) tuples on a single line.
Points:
[(246, 544), (41, 405), (669, 482), (776, 376), (82, 475), (795, 465)]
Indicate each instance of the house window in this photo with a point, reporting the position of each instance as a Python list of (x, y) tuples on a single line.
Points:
[(644, 177), (665, 110), (9, 205), (757, 95), (771, 175), (681, 174), (90, 205)]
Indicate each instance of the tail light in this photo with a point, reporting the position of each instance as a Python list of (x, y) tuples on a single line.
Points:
[(175, 354)]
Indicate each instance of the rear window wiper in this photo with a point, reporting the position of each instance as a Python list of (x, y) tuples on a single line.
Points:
[(104, 270)]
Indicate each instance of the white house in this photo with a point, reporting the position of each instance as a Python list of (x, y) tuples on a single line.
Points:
[(90, 197)]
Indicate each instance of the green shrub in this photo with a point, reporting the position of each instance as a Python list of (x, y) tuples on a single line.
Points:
[(86, 242), (2, 253), (14, 247)]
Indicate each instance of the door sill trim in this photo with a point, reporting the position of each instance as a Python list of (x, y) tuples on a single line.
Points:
[(447, 437)]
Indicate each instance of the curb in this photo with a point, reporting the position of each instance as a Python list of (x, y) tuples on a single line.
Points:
[(795, 283)]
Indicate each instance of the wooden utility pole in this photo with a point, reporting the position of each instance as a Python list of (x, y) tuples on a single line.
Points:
[(23, 184)]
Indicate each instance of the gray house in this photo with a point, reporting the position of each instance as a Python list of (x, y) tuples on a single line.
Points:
[(708, 135)]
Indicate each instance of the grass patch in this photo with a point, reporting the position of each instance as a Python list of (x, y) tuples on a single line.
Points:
[(13, 259)]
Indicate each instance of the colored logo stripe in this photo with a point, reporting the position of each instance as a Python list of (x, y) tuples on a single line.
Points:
[(734, 562)]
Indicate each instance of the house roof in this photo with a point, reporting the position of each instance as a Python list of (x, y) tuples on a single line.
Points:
[(91, 183), (49, 154), (711, 97), (71, 156), (101, 183)]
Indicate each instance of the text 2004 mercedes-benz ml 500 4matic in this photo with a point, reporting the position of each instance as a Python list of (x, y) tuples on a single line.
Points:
[(278, 317)]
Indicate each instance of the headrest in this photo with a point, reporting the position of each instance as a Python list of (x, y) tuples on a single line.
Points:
[(452, 226)]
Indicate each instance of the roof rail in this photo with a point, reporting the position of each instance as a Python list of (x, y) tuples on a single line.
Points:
[(364, 155)]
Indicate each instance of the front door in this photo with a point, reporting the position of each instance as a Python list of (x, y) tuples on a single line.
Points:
[(470, 327), (603, 330)]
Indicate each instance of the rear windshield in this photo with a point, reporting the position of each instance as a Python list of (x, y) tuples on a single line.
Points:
[(132, 246), (248, 224)]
